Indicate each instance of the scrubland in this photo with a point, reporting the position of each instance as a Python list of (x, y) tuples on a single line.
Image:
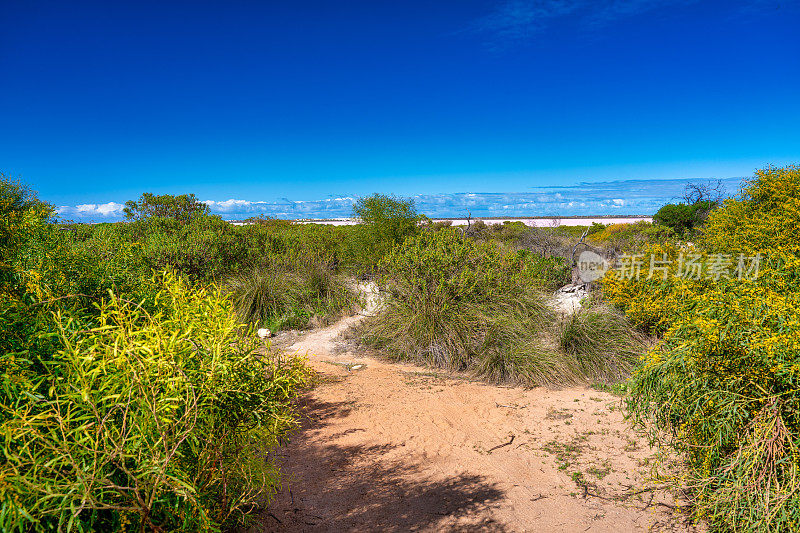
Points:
[(136, 395)]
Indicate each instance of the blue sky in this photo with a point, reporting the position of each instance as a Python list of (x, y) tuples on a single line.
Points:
[(281, 102)]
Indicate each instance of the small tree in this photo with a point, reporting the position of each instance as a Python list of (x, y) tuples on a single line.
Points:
[(392, 217), (710, 191), (679, 217), (22, 215), (699, 199), (386, 221), (182, 208)]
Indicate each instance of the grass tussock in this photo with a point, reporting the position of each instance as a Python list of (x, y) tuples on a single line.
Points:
[(492, 341), (464, 305), (284, 297), (601, 343)]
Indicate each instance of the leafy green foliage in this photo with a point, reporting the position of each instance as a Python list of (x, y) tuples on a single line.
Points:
[(183, 207), (283, 296), (596, 227), (722, 386), (549, 272), (127, 402), (464, 305), (207, 248), (386, 221), (22, 217), (204, 248), (682, 218), (147, 421), (392, 218), (34, 277)]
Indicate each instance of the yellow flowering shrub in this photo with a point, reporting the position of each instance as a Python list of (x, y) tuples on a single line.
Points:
[(127, 403), (634, 235), (723, 384), (764, 217), (147, 421)]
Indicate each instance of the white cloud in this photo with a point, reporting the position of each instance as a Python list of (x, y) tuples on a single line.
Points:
[(631, 197), (232, 205), (92, 211)]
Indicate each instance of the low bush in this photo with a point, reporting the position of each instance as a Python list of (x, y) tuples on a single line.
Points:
[(385, 222), (550, 273), (181, 208), (280, 296), (722, 386), (681, 218), (144, 421), (626, 237), (602, 343), (459, 304), (205, 248)]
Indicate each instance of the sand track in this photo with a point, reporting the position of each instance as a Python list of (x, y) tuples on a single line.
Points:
[(390, 447)]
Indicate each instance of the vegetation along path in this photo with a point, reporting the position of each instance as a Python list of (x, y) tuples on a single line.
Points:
[(393, 447)]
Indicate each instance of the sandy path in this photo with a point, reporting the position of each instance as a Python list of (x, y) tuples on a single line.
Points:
[(388, 447)]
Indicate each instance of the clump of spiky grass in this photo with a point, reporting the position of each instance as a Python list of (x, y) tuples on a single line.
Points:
[(467, 306), (288, 296), (601, 343), (496, 341), (527, 362)]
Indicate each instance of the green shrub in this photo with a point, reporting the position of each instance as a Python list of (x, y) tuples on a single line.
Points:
[(22, 217), (723, 384), (41, 271), (126, 403), (181, 208), (602, 343), (146, 421), (596, 227), (385, 222), (288, 296), (549, 272), (459, 304), (682, 218), (391, 219), (205, 248)]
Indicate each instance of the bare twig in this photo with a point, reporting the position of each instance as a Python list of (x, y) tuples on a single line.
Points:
[(501, 445)]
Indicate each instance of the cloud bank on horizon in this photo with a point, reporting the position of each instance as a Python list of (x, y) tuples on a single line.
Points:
[(629, 197)]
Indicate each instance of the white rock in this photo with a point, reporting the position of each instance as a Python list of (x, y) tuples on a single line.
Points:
[(264, 333), (567, 299)]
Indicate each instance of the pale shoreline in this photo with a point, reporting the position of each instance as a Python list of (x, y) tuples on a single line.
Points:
[(539, 222)]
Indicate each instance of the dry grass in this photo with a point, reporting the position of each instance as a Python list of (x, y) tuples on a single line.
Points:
[(280, 297), (601, 343)]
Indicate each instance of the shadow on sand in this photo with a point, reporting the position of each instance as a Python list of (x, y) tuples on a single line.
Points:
[(332, 487)]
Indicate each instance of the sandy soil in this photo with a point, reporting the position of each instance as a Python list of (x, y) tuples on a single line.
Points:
[(389, 447)]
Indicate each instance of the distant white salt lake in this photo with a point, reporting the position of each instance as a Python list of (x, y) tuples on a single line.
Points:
[(538, 222)]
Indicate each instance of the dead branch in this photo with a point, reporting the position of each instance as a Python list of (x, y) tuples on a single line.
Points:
[(501, 445)]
